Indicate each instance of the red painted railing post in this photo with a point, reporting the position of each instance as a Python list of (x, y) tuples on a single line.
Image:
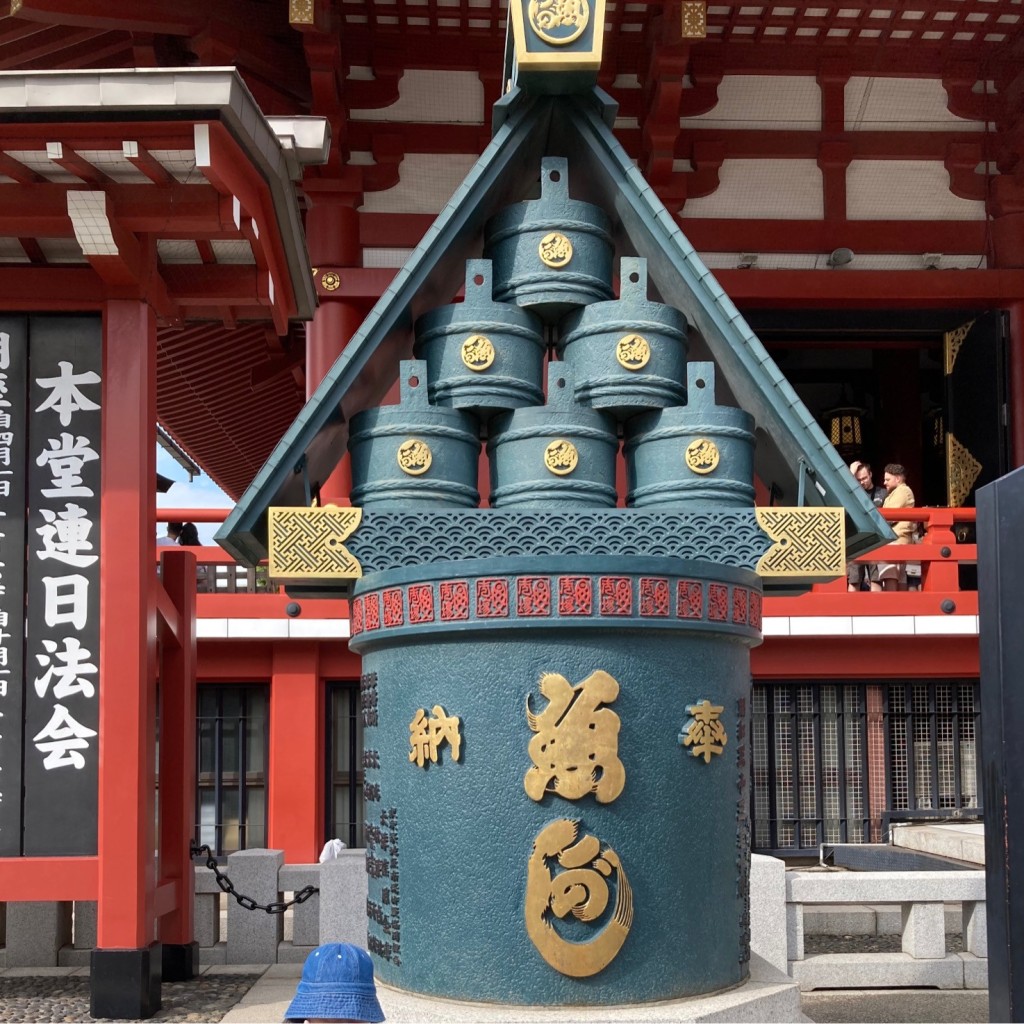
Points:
[(941, 576), (178, 764)]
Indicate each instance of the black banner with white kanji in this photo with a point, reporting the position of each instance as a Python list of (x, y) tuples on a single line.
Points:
[(61, 680)]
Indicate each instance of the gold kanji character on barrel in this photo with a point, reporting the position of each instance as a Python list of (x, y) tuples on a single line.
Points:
[(705, 732), (576, 749), (427, 734)]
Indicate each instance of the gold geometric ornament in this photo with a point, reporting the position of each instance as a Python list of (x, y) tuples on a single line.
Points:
[(809, 542), (300, 12), (952, 342), (581, 890), (306, 543), (695, 19), (962, 470)]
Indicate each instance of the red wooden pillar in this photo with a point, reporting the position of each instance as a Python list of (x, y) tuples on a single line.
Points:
[(877, 768), (332, 237), (295, 818), (125, 966), (180, 956)]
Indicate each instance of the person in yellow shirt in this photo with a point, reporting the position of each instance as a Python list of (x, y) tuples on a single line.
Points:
[(893, 576)]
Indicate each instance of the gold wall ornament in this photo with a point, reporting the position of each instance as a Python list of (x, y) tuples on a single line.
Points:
[(414, 457), (810, 543), (962, 471), (330, 281), (702, 456), (555, 250), (306, 543), (426, 735), (561, 457), (576, 749), (952, 341), (694, 19), (300, 12), (582, 890), (633, 351), (704, 733), (477, 352), (559, 22)]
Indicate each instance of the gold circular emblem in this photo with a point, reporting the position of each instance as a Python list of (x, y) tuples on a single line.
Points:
[(477, 352), (702, 455), (330, 281), (559, 22), (632, 351), (555, 250), (561, 457), (414, 457)]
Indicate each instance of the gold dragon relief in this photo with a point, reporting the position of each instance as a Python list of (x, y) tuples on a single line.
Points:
[(581, 889)]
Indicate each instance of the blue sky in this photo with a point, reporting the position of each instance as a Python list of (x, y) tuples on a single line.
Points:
[(201, 493)]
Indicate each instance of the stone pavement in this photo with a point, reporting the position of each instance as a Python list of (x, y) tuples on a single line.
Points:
[(256, 994)]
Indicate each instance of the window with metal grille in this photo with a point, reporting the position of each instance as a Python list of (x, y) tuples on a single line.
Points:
[(231, 780), (932, 745), (809, 766), (344, 764)]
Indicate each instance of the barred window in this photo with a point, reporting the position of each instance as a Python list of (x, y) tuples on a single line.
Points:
[(344, 764), (231, 780)]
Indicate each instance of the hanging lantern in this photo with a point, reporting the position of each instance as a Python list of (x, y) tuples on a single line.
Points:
[(844, 430)]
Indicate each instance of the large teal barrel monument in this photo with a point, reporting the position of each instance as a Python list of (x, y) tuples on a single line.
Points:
[(555, 716)]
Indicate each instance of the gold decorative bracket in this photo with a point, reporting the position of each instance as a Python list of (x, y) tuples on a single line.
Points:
[(552, 37), (306, 543), (952, 342), (810, 543), (962, 471)]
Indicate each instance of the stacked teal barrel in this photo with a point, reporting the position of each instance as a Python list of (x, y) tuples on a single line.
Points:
[(555, 747)]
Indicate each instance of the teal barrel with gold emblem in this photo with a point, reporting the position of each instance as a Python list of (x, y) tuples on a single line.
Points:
[(555, 454), (414, 454), (629, 354), (556, 762), (700, 455), (552, 254), (482, 355)]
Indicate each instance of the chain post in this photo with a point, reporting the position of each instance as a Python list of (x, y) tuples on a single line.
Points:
[(225, 885)]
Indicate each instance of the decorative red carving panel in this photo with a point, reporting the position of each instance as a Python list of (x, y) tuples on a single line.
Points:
[(616, 595), (718, 602), (653, 596), (690, 599), (421, 603), (755, 609), (394, 613), (739, 605), (454, 600), (371, 611), (356, 624), (575, 595), (492, 598), (533, 595)]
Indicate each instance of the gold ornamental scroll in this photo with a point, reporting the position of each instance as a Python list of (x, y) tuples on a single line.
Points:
[(306, 543), (809, 543), (557, 35)]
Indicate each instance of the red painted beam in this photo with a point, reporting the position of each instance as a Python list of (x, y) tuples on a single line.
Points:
[(49, 878)]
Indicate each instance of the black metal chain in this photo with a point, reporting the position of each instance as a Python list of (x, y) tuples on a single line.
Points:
[(195, 850)]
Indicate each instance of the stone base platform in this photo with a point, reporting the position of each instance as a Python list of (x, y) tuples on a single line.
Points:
[(768, 995), (963, 841)]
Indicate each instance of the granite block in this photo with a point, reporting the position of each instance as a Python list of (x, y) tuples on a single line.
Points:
[(924, 932), (844, 919), (289, 953), (343, 893), (306, 915), (975, 929), (975, 971), (70, 956), (217, 955), (36, 931), (253, 935), (876, 970), (206, 919), (883, 886), (768, 910), (85, 924), (795, 931)]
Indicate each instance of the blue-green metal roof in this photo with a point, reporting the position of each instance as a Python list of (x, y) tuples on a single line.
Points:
[(792, 455)]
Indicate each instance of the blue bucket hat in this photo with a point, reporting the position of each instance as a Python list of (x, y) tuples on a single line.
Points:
[(337, 982)]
